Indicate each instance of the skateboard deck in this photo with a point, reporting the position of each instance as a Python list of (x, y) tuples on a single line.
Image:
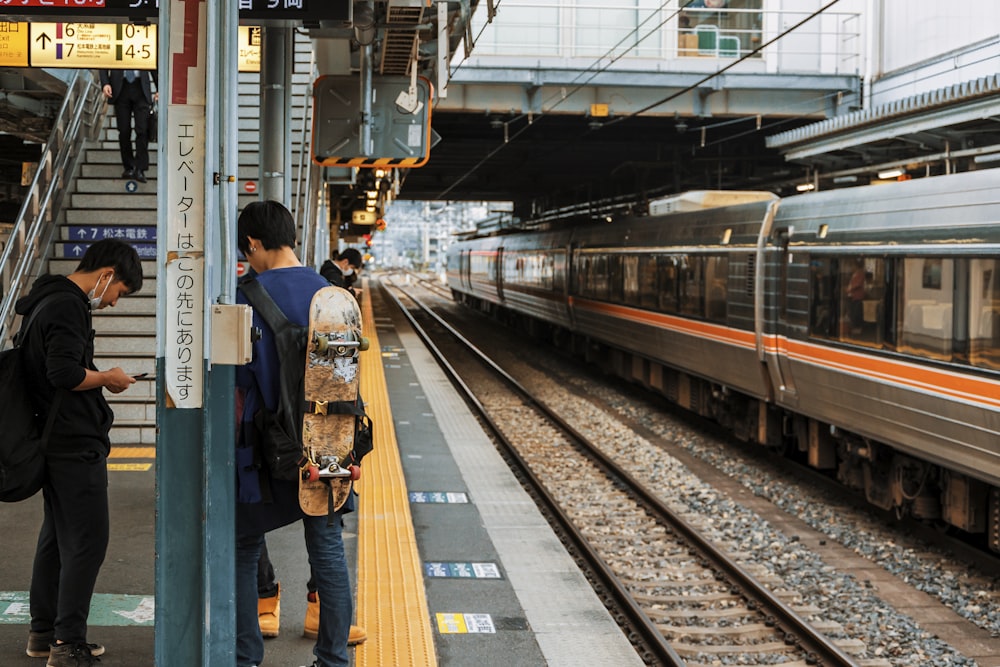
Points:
[(331, 377)]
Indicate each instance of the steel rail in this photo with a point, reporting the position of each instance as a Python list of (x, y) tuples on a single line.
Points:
[(820, 650), (647, 635)]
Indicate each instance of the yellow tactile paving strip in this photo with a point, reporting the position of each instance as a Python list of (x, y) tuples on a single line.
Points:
[(392, 605)]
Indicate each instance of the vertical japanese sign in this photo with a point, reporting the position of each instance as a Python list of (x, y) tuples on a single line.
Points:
[(186, 205)]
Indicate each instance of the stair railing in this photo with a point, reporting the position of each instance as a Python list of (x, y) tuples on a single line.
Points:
[(29, 243)]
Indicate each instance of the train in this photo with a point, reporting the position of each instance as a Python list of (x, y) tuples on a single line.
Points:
[(856, 329)]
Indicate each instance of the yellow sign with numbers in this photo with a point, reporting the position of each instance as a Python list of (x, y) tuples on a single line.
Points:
[(13, 44), (93, 45)]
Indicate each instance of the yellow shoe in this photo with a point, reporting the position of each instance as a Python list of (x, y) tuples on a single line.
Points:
[(357, 636), (269, 614), (311, 627)]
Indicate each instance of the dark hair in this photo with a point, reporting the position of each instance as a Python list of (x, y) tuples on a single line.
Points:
[(270, 222), (353, 257), (120, 256)]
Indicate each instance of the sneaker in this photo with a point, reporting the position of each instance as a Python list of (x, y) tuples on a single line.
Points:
[(269, 614), (39, 644), (71, 655)]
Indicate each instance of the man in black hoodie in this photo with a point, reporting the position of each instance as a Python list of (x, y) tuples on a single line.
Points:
[(343, 271), (59, 356)]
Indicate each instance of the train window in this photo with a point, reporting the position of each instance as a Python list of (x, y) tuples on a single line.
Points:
[(984, 313), (669, 271), (615, 278), (692, 285), (823, 315), (717, 281), (597, 280), (926, 290), (630, 269), (648, 297), (862, 300), (849, 300)]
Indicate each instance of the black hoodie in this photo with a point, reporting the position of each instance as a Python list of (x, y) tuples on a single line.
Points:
[(58, 350)]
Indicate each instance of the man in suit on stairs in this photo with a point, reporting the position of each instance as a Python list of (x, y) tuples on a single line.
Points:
[(133, 92)]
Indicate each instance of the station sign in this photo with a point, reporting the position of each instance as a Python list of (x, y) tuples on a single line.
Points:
[(145, 10), (249, 48), (93, 45), (14, 44)]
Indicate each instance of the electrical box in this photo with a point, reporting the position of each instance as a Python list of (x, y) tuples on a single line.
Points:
[(232, 334)]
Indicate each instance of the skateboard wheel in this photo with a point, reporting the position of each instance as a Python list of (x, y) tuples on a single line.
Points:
[(310, 474), (321, 342), (363, 344), (355, 472)]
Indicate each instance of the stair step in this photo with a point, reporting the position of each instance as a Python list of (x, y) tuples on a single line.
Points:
[(134, 413), (132, 201), (110, 216), (127, 433), (67, 266), (116, 185), (108, 344)]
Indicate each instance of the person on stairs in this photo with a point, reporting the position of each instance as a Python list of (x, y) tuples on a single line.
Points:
[(133, 93)]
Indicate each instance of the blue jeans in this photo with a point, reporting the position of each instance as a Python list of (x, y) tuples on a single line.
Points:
[(325, 545)]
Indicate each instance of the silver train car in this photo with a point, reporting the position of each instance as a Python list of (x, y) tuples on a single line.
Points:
[(857, 328)]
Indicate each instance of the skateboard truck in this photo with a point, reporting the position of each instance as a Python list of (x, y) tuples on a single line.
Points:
[(328, 467), (340, 348)]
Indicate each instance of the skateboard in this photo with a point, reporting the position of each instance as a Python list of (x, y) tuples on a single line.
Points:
[(331, 387)]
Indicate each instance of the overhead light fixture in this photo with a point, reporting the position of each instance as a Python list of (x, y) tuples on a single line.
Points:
[(891, 173), (805, 187), (990, 157), (839, 180)]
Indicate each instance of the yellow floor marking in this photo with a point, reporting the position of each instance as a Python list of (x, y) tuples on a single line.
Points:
[(392, 605), (132, 453), (129, 467)]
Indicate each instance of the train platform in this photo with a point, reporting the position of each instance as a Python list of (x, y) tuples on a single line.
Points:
[(453, 563)]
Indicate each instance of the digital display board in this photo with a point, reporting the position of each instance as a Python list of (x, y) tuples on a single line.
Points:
[(103, 10)]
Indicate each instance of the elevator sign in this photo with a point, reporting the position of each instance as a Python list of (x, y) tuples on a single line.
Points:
[(93, 45)]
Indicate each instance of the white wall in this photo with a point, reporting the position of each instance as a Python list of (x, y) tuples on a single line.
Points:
[(924, 45)]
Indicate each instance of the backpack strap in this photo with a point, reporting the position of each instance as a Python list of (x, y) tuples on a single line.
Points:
[(262, 302)]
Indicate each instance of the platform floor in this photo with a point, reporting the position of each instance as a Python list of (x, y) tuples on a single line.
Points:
[(453, 563)]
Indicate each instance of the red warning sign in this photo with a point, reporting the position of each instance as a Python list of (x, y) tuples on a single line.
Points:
[(250, 186), (241, 269)]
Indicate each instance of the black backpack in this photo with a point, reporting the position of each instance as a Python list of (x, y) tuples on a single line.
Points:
[(278, 434), (23, 443)]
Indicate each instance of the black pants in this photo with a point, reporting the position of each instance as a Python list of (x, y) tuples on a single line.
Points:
[(71, 545), (131, 102), (267, 587)]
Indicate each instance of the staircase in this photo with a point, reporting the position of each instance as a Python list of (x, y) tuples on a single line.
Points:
[(100, 204)]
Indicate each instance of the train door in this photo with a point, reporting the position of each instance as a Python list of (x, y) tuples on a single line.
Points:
[(784, 290), (498, 273), (463, 270)]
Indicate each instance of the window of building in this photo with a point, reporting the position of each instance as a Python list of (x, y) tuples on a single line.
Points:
[(719, 28)]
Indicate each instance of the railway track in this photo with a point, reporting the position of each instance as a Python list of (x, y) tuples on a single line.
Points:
[(685, 591)]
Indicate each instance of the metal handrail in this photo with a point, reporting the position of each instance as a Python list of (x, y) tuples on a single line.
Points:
[(29, 243)]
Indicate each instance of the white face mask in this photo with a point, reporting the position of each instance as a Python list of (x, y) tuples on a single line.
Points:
[(349, 271), (95, 301)]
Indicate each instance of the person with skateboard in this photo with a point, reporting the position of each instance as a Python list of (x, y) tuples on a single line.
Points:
[(266, 236)]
